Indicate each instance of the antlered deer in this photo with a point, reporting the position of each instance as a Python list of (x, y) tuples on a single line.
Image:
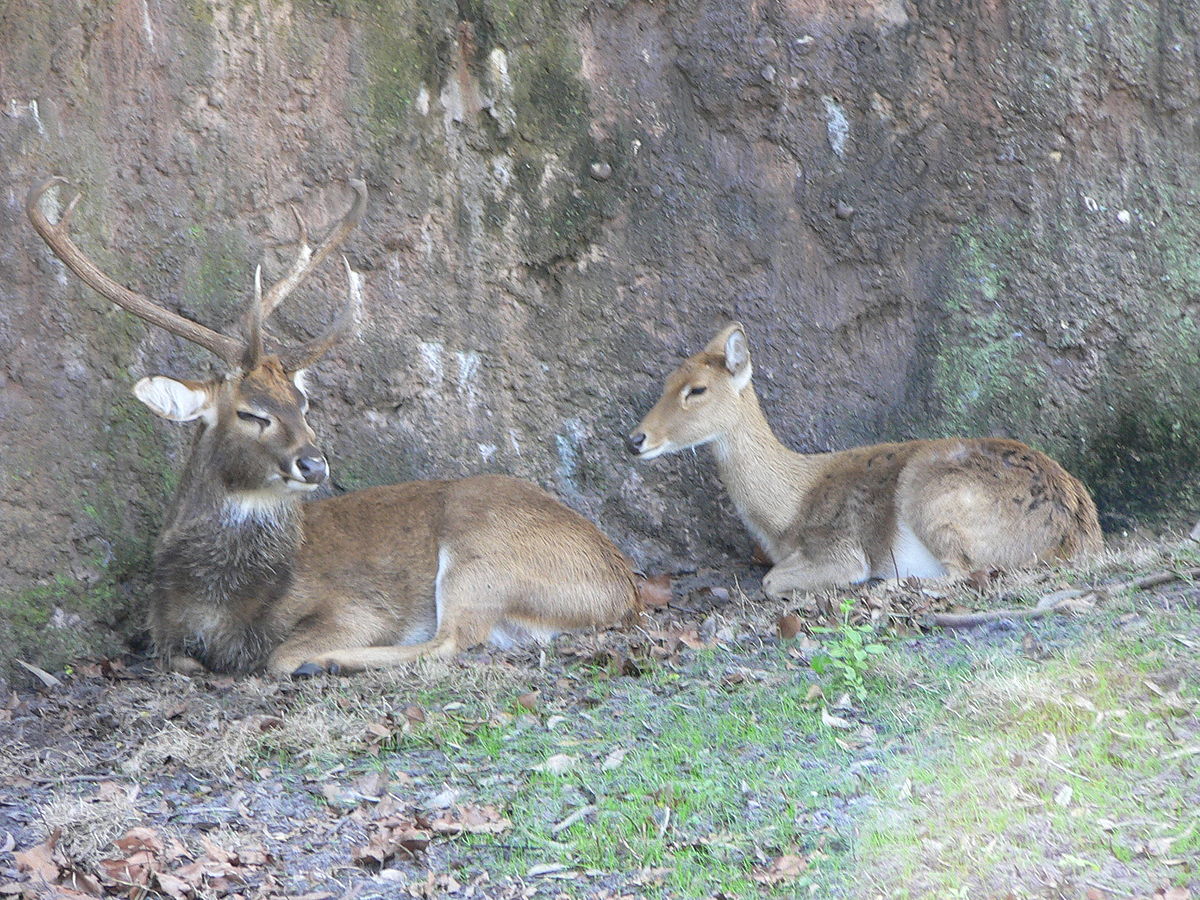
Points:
[(924, 508), (247, 577)]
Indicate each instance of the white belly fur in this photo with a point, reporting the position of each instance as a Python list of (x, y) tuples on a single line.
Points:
[(912, 558), (507, 635)]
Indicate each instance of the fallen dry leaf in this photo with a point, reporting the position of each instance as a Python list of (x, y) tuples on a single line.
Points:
[(42, 675), (784, 868), (833, 721), (546, 869), (130, 872), (173, 886), (789, 626), (529, 701), (80, 881), (38, 861), (263, 723), (378, 731), (397, 836), (655, 590), (614, 759), (435, 885), (140, 839), (558, 764), (471, 819)]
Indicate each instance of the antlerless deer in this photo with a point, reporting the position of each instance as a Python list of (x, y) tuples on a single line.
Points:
[(923, 508), (247, 577)]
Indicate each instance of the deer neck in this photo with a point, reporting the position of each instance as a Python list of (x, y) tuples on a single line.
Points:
[(225, 550), (766, 481)]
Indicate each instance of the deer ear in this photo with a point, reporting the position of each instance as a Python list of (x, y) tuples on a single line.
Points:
[(730, 342), (179, 401), (737, 350)]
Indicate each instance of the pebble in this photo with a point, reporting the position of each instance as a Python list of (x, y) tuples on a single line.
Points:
[(601, 170)]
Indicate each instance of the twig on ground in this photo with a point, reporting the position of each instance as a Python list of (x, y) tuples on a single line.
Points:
[(1065, 601), (68, 779), (1107, 888), (573, 818)]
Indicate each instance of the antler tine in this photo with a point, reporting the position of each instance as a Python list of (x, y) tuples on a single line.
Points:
[(59, 240), (254, 338), (307, 259), (309, 352)]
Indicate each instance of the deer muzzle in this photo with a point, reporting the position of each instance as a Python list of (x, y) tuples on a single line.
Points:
[(311, 468)]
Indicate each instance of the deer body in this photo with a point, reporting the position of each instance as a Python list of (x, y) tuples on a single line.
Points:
[(434, 566), (924, 508), (248, 577)]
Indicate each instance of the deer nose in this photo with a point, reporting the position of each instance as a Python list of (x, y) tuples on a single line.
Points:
[(634, 442), (312, 469)]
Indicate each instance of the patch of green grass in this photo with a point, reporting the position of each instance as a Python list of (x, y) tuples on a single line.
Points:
[(704, 782), (1064, 763)]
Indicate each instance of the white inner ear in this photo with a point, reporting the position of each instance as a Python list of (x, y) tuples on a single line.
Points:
[(175, 400), (737, 352), (298, 378), (741, 378)]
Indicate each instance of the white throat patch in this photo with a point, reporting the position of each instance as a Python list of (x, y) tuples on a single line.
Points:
[(259, 506)]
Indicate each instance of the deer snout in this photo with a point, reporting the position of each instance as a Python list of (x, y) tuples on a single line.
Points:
[(312, 469), (635, 442)]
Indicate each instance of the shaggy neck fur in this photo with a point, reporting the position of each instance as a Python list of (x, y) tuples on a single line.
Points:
[(766, 481), (220, 564)]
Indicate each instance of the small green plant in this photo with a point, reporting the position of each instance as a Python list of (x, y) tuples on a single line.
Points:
[(847, 654)]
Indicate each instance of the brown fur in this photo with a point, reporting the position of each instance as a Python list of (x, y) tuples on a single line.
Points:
[(503, 555), (437, 566), (837, 518)]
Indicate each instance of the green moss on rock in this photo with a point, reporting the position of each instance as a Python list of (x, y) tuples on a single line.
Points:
[(54, 624)]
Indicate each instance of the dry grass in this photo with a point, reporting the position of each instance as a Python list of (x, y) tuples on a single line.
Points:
[(88, 826)]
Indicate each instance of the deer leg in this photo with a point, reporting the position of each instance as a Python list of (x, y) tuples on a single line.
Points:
[(182, 664), (800, 572), (952, 549), (469, 599)]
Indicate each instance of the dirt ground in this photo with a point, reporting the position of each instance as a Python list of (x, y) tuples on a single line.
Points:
[(119, 780)]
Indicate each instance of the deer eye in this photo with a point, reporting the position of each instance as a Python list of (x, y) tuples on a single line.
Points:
[(696, 390), (260, 421)]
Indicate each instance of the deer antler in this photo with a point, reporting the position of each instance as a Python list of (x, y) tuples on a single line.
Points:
[(59, 240), (235, 352), (309, 352), (308, 259)]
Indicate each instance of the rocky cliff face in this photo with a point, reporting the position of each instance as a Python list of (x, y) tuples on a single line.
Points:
[(933, 219)]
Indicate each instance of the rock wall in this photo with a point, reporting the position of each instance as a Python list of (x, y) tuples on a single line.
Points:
[(933, 218)]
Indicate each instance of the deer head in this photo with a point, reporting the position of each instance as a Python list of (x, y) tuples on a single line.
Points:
[(255, 443), (700, 399)]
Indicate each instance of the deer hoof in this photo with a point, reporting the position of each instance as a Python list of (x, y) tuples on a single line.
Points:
[(307, 670)]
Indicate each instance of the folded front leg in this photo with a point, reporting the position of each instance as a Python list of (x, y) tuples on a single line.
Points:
[(835, 567)]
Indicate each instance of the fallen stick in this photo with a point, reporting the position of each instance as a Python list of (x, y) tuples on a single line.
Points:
[(1066, 601)]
